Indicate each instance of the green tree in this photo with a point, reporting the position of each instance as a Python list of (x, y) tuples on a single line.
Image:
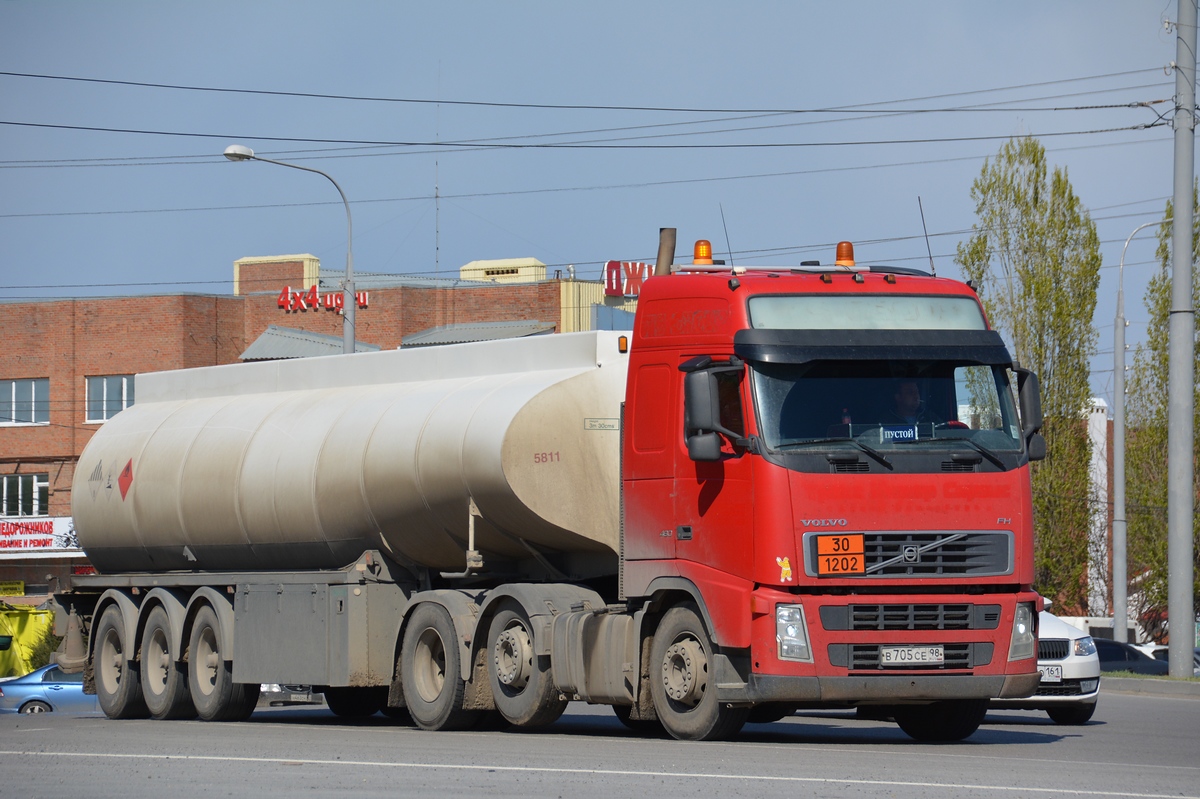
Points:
[(1035, 257), (1146, 450)]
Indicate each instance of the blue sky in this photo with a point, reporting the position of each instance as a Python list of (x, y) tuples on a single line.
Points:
[(111, 189)]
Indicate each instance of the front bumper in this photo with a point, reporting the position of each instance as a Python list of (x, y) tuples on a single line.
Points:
[(875, 688)]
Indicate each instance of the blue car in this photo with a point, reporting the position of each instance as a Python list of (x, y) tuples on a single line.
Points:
[(44, 690)]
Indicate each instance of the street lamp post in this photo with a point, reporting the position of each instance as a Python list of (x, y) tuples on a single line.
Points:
[(1120, 558), (237, 152)]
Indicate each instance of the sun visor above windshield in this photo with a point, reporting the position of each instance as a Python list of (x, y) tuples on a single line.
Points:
[(802, 346)]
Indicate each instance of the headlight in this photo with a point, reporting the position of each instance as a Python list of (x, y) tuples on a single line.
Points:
[(1024, 637), (1085, 646), (791, 633)]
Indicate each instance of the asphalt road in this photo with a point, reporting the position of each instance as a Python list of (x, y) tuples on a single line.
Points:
[(1135, 746)]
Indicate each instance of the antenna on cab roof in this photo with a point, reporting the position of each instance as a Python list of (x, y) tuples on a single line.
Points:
[(932, 268), (728, 246)]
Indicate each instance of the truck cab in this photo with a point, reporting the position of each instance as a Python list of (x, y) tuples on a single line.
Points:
[(830, 459)]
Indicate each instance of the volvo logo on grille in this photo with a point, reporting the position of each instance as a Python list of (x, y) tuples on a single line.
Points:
[(911, 553), (823, 522)]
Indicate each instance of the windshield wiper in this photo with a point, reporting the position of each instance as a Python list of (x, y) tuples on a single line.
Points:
[(985, 452), (990, 454), (874, 453)]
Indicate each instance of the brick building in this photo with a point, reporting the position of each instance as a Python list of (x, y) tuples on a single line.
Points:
[(69, 364)]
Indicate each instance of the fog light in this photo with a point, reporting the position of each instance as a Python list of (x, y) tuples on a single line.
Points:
[(1024, 636), (791, 633), (1088, 686)]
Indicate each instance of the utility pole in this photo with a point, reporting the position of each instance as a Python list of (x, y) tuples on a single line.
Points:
[(1181, 615)]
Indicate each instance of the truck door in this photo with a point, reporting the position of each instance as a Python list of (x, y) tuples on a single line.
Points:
[(649, 468), (714, 511)]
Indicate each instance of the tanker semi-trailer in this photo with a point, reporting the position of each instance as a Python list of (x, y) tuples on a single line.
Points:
[(728, 513)]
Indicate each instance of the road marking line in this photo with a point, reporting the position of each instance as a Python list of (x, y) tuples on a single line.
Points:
[(957, 786)]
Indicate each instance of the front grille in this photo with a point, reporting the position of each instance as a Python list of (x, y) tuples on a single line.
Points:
[(856, 467), (926, 554), (962, 616), (1053, 648), (956, 466), (1064, 688), (865, 657)]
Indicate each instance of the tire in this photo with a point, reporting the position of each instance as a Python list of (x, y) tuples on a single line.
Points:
[(683, 688), (521, 681), (35, 707), (356, 703), (1071, 714), (118, 686), (210, 676), (164, 680), (640, 726), (941, 722), (431, 665)]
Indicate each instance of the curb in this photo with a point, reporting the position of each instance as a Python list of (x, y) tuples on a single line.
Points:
[(1150, 687)]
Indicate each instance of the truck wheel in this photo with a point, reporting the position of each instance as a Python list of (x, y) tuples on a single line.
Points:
[(164, 683), (117, 686), (210, 676), (356, 703), (521, 683), (685, 695), (1071, 714), (947, 721), (433, 689)]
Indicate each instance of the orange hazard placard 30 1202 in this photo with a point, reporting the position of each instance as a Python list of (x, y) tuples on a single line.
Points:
[(840, 554)]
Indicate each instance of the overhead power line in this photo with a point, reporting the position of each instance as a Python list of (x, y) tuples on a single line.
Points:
[(550, 190), (578, 145), (554, 106)]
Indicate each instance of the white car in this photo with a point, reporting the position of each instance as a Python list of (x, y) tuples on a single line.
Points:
[(1070, 671)]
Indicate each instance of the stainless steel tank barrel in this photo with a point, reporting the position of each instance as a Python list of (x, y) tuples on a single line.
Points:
[(306, 463)]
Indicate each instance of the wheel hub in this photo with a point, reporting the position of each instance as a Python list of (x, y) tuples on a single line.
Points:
[(685, 672), (514, 658)]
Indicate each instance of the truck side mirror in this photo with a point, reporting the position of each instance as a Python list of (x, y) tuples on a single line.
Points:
[(1030, 396), (1035, 447), (704, 447), (700, 409), (1031, 401), (700, 406)]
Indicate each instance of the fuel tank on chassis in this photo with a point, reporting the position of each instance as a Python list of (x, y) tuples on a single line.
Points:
[(306, 463)]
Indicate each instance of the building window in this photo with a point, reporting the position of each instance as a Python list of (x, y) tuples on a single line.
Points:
[(108, 395), (25, 401), (25, 495)]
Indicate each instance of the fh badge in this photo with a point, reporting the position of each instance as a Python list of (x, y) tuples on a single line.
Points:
[(785, 570)]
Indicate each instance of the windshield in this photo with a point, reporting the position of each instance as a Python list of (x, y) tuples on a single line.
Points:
[(885, 405), (864, 312)]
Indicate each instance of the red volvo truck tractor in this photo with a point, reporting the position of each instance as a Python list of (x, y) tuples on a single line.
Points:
[(784, 488)]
